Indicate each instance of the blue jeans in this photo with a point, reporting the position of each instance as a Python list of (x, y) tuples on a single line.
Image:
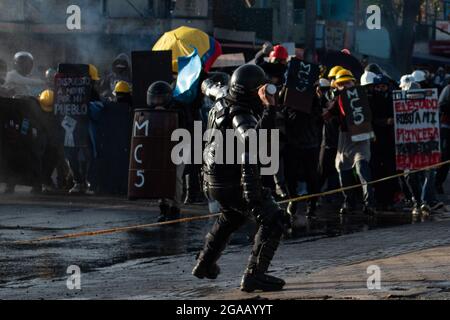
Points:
[(347, 180)]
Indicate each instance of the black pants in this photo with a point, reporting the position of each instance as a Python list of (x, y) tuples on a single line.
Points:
[(270, 219), (442, 172), (53, 159), (327, 168), (383, 165), (193, 180), (302, 163)]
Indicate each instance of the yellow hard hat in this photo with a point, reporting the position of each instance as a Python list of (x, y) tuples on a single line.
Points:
[(334, 71), (122, 87), (344, 76), (46, 100), (93, 72)]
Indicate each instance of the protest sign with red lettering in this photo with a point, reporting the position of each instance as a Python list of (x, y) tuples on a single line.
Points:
[(417, 133)]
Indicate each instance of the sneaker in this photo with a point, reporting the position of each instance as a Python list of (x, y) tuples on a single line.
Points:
[(77, 189), (426, 210), (416, 211)]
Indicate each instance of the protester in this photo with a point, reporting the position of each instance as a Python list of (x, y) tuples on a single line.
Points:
[(330, 134), (19, 80), (440, 79), (19, 83), (120, 71), (422, 185), (301, 156), (81, 154), (276, 67), (122, 93), (383, 161), (351, 155), (160, 97)]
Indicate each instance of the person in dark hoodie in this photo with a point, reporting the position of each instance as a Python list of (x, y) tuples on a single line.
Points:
[(383, 147), (120, 71), (276, 67)]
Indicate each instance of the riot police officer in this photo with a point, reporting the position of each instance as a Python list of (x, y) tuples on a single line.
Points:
[(238, 187)]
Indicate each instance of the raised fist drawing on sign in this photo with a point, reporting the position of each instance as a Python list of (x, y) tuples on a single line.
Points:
[(69, 124)]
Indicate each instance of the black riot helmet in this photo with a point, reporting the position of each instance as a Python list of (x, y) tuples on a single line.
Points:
[(246, 81), (50, 75), (23, 63), (159, 95)]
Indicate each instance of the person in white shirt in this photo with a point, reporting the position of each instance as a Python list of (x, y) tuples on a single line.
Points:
[(19, 79)]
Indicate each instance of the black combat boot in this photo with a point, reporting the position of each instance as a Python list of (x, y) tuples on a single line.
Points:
[(206, 266), (255, 277), (215, 244), (164, 209), (261, 282)]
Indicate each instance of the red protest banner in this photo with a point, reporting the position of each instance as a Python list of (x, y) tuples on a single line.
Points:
[(417, 133)]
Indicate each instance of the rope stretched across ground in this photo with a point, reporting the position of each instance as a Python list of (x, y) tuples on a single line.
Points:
[(210, 216)]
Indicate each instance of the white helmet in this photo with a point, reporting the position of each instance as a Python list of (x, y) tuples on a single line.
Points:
[(419, 76), (324, 83), (406, 80), (22, 54), (368, 78)]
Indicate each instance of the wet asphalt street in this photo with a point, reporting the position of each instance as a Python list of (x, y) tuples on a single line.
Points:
[(27, 217)]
